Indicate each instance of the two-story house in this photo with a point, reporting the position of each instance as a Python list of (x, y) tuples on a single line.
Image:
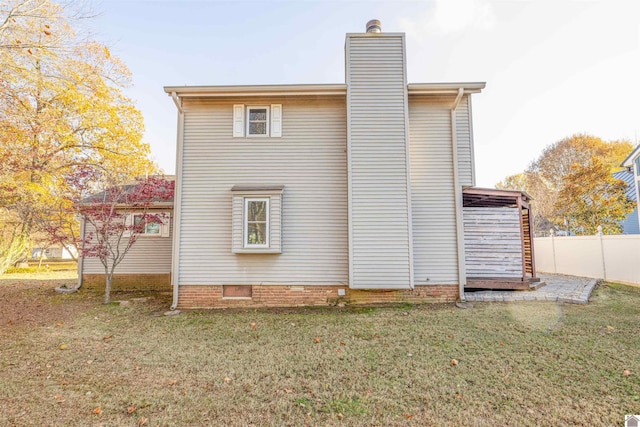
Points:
[(321, 193)]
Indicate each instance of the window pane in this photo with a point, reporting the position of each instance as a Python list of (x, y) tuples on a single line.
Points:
[(257, 211), (258, 114), (257, 234), (258, 128), (137, 219), (152, 228)]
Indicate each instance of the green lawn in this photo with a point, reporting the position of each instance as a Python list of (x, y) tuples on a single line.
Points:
[(517, 364)]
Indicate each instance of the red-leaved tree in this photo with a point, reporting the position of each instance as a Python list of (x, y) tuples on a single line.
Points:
[(109, 235)]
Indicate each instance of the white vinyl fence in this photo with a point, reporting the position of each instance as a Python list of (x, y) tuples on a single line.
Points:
[(613, 258)]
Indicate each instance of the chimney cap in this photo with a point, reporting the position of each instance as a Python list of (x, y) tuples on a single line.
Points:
[(374, 26)]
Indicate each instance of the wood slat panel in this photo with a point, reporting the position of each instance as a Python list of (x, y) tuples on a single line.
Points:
[(493, 246)]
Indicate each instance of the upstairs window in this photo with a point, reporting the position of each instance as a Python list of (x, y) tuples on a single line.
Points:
[(257, 121)]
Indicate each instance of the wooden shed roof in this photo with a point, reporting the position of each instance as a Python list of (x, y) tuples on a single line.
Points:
[(491, 197)]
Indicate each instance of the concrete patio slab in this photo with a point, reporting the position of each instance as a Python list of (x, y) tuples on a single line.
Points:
[(558, 287)]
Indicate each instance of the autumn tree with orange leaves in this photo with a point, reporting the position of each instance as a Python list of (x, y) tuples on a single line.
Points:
[(572, 185), (62, 109)]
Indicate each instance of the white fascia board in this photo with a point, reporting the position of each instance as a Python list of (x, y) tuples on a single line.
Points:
[(312, 89), (628, 162), (445, 88), (258, 90)]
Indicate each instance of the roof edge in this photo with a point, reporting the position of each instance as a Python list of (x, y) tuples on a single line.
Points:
[(258, 90), (628, 162), (313, 89)]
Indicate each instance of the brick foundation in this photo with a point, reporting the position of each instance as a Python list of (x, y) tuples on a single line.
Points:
[(128, 282), (198, 296)]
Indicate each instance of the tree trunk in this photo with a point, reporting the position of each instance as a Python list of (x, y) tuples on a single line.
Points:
[(107, 289), (14, 251)]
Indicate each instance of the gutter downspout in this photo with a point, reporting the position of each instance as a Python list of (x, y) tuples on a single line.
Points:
[(80, 256), (177, 205), (457, 191)]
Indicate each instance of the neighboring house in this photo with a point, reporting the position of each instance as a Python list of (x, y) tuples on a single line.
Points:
[(326, 193), (54, 251), (630, 223), (147, 265), (632, 163)]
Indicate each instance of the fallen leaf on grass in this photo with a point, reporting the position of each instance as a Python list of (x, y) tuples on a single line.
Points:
[(340, 416), (63, 347), (253, 325), (137, 368), (409, 416), (10, 322), (609, 327), (106, 337), (57, 396), (316, 340), (172, 382), (59, 323), (142, 421), (64, 383), (131, 409), (98, 410), (227, 380), (626, 373), (454, 362)]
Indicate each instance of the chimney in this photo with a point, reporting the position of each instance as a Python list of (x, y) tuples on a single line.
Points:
[(380, 246), (374, 26)]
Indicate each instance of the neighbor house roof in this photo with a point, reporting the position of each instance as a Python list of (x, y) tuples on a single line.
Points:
[(129, 189), (312, 89)]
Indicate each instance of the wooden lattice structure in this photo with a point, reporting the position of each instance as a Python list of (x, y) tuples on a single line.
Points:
[(498, 239)]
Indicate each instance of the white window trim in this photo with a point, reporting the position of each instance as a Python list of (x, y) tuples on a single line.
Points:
[(144, 233), (245, 223), (267, 121), (164, 226)]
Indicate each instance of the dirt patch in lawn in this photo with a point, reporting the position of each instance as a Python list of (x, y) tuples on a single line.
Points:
[(30, 300)]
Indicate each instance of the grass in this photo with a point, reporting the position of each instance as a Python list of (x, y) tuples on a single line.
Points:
[(35, 267), (521, 363)]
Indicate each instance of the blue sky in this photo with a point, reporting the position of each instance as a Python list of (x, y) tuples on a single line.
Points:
[(553, 68)]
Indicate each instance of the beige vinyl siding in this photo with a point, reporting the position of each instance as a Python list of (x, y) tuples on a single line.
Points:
[(309, 160), (379, 210), (493, 245), (148, 255), (432, 195), (465, 143)]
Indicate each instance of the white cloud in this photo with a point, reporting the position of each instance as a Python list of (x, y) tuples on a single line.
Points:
[(452, 16)]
